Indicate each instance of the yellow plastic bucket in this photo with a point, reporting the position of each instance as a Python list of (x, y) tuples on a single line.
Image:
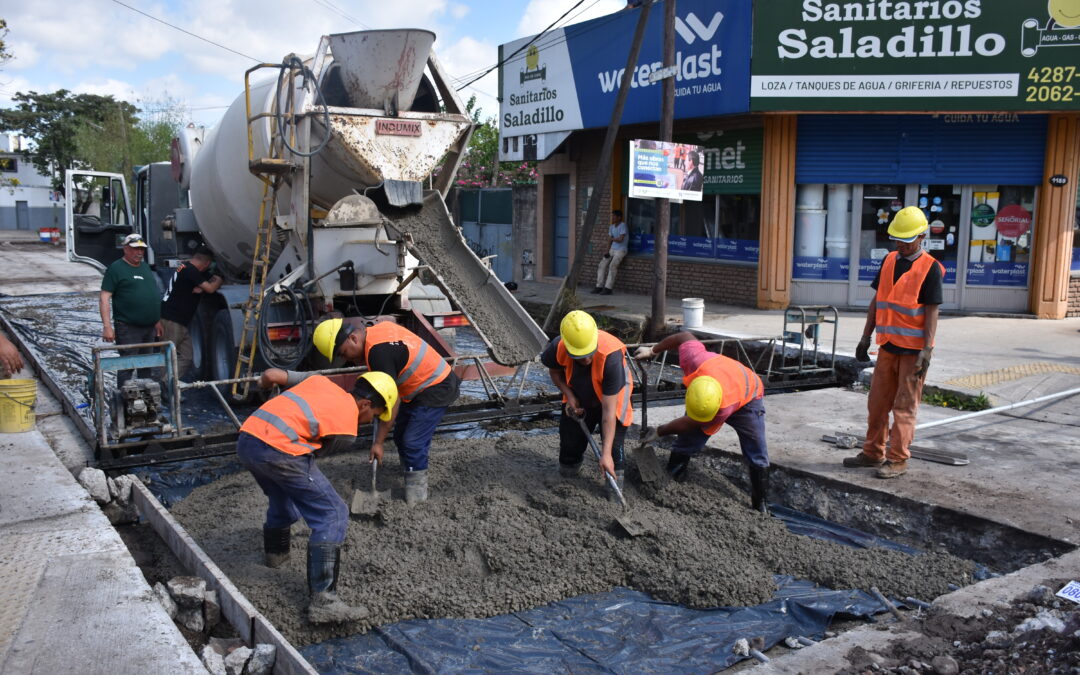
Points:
[(17, 399)]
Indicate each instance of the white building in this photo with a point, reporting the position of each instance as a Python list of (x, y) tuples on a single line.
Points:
[(30, 203)]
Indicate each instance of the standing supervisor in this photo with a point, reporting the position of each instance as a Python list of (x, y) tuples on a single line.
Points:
[(178, 307), (129, 286), (425, 382), (618, 245), (904, 312), (719, 390), (277, 444), (592, 370)]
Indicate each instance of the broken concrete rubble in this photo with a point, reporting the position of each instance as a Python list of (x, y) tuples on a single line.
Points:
[(188, 592), (166, 600), (96, 483), (236, 660)]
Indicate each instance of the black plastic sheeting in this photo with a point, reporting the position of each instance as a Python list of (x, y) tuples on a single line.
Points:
[(618, 632)]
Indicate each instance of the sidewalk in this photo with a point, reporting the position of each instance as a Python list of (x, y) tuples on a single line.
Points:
[(1010, 359)]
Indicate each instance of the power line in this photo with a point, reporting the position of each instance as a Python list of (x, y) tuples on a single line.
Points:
[(187, 32), (326, 4), (524, 46)]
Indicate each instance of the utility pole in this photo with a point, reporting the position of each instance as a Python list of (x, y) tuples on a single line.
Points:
[(663, 206), (603, 175)]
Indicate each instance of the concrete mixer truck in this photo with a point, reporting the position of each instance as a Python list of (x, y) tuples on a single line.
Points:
[(321, 190)]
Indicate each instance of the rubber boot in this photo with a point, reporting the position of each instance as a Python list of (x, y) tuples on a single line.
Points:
[(569, 470), (276, 545), (620, 480), (323, 563), (759, 488), (678, 466), (415, 487)]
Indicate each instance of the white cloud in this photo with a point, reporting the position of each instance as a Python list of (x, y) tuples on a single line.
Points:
[(467, 58), (459, 11), (539, 14)]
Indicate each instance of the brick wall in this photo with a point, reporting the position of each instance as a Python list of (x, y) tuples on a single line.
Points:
[(1074, 296), (729, 284)]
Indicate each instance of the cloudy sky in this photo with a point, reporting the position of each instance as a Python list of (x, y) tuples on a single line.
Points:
[(108, 47)]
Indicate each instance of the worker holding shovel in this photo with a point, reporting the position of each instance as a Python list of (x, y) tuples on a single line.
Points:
[(719, 390), (277, 445), (425, 382), (592, 370)]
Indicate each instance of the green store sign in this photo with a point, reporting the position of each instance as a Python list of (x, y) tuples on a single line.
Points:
[(731, 160), (916, 55)]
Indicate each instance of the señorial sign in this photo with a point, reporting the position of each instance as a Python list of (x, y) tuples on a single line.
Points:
[(916, 55), (1070, 592), (665, 170), (568, 79), (1013, 221)]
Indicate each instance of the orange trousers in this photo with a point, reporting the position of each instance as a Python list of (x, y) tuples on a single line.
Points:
[(893, 388)]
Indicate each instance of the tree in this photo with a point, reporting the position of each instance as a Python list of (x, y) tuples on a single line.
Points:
[(52, 122), (5, 55), (122, 141), (480, 167)]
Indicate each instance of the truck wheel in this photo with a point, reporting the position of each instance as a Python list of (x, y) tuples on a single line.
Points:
[(199, 346), (223, 355)]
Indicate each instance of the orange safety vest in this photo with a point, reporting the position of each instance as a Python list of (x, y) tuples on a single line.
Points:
[(425, 367), (739, 384), (901, 320), (606, 344), (296, 420)]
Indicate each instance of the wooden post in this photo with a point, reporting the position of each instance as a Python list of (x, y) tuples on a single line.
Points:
[(1054, 215), (777, 212), (600, 184), (663, 206)]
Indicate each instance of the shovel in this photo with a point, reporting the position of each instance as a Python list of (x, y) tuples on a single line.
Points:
[(644, 454), (633, 525), (369, 503)]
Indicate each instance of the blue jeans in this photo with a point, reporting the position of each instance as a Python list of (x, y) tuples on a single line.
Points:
[(296, 488), (748, 422), (130, 334), (413, 429)]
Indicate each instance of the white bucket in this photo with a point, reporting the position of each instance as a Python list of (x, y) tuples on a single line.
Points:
[(693, 312)]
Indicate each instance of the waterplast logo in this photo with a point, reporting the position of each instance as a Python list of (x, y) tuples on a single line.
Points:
[(703, 64), (692, 28)]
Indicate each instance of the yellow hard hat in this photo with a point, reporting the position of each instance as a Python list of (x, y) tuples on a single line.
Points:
[(385, 386), (703, 398), (578, 333), (325, 337), (908, 223)]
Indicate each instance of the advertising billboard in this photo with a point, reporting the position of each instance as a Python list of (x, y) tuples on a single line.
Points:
[(916, 55), (568, 79), (665, 170)]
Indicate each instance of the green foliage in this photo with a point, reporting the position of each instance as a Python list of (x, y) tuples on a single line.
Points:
[(52, 122), (5, 55), (480, 168), (947, 399), (122, 142)]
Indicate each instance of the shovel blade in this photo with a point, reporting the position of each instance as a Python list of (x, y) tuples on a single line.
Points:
[(635, 525), (648, 464), (366, 503)]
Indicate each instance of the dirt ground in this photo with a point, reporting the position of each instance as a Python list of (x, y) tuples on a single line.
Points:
[(502, 532), (1039, 633)]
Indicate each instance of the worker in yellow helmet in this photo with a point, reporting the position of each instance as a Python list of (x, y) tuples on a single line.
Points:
[(592, 370), (904, 314), (426, 383), (277, 444), (719, 390)]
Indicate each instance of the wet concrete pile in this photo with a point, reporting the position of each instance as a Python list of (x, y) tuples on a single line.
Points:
[(503, 533)]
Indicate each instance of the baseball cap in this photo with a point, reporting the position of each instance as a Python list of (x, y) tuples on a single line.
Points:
[(134, 240)]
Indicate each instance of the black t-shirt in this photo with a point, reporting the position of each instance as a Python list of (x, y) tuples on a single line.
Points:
[(929, 294), (581, 383), (181, 300), (392, 358)]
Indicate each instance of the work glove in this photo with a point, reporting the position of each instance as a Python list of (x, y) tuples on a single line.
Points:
[(862, 352), (922, 361), (651, 435), (643, 353)]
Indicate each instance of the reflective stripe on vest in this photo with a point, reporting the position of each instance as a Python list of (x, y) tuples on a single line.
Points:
[(421, 359), (901, 320), (606, 344), (280, 425), (295, 421), (723, 370), (313, 424)]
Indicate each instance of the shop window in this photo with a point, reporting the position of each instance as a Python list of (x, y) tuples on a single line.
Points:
[(1000, 247), (823, 227), (9, 165), (719, 227)]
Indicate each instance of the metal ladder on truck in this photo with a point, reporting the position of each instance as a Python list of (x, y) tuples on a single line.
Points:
[(271, 171)]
